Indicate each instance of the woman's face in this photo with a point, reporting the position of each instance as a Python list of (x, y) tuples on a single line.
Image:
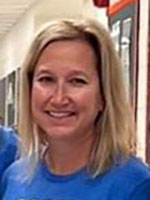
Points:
[(65, 92)]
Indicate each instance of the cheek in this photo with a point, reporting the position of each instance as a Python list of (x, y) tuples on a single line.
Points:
[(38, 97), (89, 99)]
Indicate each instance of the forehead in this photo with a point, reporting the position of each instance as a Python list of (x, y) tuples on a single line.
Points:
[(68, 44), (67, 55), (76, 48)]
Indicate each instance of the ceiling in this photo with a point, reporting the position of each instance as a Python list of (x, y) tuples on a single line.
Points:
[(10, 12)]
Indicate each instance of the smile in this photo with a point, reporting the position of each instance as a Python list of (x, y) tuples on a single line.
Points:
[(60, 115)]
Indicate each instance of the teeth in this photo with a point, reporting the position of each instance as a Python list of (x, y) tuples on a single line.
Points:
[(59, 114)]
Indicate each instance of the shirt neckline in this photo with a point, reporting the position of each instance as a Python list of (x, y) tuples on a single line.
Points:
[(58, 177)]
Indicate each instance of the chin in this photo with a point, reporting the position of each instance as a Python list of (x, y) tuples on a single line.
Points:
[(59, 133)]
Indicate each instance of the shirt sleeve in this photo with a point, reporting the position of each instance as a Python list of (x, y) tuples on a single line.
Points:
[(8, 148)]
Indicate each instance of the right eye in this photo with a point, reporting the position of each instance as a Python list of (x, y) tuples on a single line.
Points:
[(46, 79)]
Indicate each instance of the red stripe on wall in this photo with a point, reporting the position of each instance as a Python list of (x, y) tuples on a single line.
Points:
[(101, 3), (119, 5)]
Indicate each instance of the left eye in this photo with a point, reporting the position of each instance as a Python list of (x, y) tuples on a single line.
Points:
[(78, 81)]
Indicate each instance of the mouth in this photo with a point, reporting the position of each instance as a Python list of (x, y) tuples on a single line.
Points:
[(60, 114)]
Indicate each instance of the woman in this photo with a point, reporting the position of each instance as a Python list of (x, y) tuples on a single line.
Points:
[(75, 120), (8, 148)]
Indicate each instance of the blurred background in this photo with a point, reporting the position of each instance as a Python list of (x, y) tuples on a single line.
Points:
[(129, 24)]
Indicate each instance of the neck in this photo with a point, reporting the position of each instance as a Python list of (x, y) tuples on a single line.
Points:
[(64, 157)]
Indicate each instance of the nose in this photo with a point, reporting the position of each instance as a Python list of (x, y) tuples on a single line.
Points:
[(59, 97)]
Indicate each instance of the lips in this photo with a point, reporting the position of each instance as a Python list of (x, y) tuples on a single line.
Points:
[(60, 114)]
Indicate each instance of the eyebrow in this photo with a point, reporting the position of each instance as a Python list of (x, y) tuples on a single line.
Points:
[(77, 72), (42, 71)]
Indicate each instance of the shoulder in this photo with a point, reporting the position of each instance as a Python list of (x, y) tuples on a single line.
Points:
[(132, 167), (9, 177), (19, 170), (142, 191), (14, 174), (17, 176), (16, 168), (126, 176)]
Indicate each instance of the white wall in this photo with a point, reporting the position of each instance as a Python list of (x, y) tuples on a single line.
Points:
[(101, 15), (44, 11), (142, 77), (15, 44)]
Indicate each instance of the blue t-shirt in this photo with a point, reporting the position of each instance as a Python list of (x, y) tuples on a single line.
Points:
[(8, 147), (118, 183), (142, 192)]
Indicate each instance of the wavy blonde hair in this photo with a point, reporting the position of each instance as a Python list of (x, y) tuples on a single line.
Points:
[(115, 125)]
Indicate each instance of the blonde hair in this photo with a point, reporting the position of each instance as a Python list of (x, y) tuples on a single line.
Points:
[(115, 126)]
